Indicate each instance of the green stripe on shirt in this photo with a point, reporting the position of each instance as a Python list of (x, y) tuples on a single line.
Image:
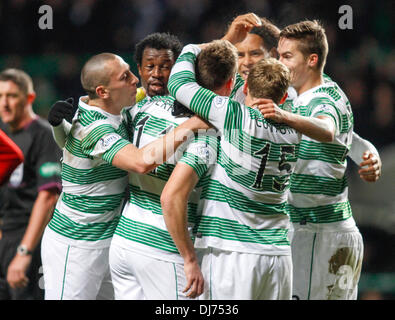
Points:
[(214, 190), (93, 204), (231, 230), (145, 234), (321, 214), (309, 184), (63, 225), (104, 172)]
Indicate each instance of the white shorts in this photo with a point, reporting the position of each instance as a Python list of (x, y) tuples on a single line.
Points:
[(136, 276), (245, 276), (72, 273), (327, 265)]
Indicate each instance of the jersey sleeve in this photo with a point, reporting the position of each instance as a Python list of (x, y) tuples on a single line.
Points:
[(61, 132), (201, 153), (359, 146), (101, 140), (183, 86), (10, 156), (321, 106)]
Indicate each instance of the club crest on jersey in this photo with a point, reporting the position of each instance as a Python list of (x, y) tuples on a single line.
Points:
[(204, 154), (219, 102), (110, 139)]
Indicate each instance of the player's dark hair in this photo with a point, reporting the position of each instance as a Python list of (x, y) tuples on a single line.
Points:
[(269, 34), (311, 37), (20, 78), (158, 41)]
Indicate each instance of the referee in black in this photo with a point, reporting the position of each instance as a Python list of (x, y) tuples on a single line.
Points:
[(28, 198)]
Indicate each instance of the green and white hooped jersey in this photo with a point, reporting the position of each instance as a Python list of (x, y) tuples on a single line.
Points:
[(142, 227), (319, 192), (244, 202), (90, 204)]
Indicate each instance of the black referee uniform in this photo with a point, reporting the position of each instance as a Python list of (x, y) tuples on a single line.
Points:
[(40, 171)]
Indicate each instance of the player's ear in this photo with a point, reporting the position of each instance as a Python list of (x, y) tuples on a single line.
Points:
[(101, 92), (230, 83), (284, 98), (228, 86), (313, 60), (245, 88), (31, 97)]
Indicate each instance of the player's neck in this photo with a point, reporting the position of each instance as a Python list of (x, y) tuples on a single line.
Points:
[(107, 107), (313, 80), (226, 89), (248, 101)]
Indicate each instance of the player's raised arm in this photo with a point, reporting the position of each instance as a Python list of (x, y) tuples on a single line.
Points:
[(208, 99), (240, 26), (321, 128), (60, 117), (143, 160)]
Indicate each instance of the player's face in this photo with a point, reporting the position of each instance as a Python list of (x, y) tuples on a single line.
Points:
[(12, 103), (294, 59), (250, 51), (122, 86), (155, 70)]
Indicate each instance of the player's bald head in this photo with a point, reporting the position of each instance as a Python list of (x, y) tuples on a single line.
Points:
[(96, 72)]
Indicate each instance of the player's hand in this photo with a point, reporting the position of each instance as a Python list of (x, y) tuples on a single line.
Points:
[(240, 26), (16, 274), (196, 124), (194, 277), (372, 170), (269, 110), (62, 110)]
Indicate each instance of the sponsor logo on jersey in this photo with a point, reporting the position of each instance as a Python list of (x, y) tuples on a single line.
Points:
[(49, 169), (110, 139)]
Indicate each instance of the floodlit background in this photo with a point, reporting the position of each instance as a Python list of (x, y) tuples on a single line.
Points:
[(361, 60)]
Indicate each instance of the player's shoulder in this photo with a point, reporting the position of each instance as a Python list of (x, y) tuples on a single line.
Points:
[(330, 90), (324, 94), (164, 102), (88, 115)]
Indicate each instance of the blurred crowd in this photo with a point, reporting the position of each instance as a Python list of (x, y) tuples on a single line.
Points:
[(361, 60)]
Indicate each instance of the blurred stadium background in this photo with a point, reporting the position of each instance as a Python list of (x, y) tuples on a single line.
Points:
[(361, 60)]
